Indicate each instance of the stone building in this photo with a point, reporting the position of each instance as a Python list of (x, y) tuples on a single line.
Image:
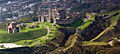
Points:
[(52, 15), (58, 16), (12, 28)]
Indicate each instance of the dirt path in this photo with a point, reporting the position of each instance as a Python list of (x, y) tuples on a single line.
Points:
[(48, 30), (9, 45)]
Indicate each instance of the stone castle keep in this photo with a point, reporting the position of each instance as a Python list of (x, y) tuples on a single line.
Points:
[(52, 15), (12, 28), (55, 15)]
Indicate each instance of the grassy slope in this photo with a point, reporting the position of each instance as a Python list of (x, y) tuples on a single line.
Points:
[(87, 22), (42, 39), (3, 31), (29, 36), (110, 12), (22, 36), (74, 24), (72, 44), (113, 21)]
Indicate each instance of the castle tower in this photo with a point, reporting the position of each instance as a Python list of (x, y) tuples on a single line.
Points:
[(50, 15), (39, 18), (42, 18)]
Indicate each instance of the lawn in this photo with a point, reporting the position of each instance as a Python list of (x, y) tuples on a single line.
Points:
[(3, 31), (48, 37), (29, 36), (42, 39)]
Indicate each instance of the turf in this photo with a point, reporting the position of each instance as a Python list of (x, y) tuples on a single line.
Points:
[(87, 22), (29, 36)]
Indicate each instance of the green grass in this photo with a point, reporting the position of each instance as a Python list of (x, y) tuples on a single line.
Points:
[(87, 22), (3, 31), (87, 43), (47, 38), (28, 36), (113, 21), (42, 39), (27, 29), (74, 24), (111, 12), (71, 45), (10, 38)]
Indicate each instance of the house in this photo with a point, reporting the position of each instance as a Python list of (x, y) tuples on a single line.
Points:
[(12, 28)]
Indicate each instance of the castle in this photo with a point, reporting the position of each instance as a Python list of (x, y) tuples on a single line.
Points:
[(12, 28), (57, 15)]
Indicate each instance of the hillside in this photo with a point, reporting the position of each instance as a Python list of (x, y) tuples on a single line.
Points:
[(92, 37), (95, 38), (29, 36), (97, 34)]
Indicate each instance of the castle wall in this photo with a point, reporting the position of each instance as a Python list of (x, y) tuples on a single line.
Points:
[(42, 18), (56, 16)]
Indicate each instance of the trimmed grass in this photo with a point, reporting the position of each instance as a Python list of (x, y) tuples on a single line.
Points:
[(3, 31), (42, 39), (28, 36), (47, 38)]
